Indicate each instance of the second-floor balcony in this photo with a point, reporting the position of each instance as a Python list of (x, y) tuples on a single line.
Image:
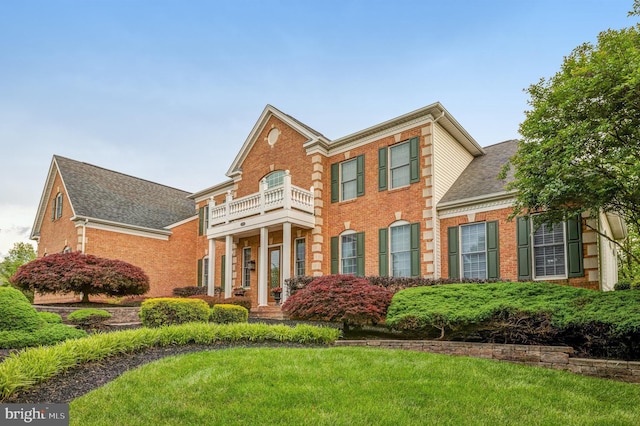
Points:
[(286, 201)]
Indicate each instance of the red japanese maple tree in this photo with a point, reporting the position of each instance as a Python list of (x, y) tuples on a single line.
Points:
[(81, 273), (339, 298)]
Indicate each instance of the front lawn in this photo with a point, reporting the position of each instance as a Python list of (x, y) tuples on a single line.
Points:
[(351, 386)]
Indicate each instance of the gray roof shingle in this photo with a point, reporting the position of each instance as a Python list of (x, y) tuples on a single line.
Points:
[(103, 194), (481, 175)]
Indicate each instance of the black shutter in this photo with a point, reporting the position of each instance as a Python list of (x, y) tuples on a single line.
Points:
[(574, 248), (493, 257), (382, 169), (453, 255), (523, 240)]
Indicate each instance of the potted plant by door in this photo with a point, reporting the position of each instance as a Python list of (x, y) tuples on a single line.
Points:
[(239, 291), (277, 294)]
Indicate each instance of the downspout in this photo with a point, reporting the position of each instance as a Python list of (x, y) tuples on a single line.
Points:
[(84, 234), (434, 213)]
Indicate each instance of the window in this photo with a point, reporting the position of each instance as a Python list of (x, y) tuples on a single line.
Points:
[(274, 179), (246, 269), (56, 207), (398, 165), (203, 217), (203, 271), (300, 244), (399, 250), (347, 253), (549, 251), (347, 179), (473, 249)]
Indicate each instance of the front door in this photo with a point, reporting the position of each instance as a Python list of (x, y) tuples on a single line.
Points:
[(275, 266)]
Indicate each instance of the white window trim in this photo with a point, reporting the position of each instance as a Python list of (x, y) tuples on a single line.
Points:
[(274, 173), (343, 234), (461, 254), (244, 266), (390, 260), (295, 256), (340, 181), (533, 255), (390, 174)]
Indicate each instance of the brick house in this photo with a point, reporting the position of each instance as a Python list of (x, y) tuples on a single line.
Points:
[(412, 196)]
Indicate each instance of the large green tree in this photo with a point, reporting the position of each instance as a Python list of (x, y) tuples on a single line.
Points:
[(20, 254), (580, 146)]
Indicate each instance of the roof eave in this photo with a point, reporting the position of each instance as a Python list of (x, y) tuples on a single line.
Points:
[(496, 196)]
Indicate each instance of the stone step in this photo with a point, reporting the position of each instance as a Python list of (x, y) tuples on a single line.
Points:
[(267, 312)]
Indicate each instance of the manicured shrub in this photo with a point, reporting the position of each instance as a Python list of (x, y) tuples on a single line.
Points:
[(163, 311), (226, 314), (395, 284), (48, 335), (339, 298), (189, 291), (81, 273), (16, 313), (89, 318), (245, 302), (50, 317)]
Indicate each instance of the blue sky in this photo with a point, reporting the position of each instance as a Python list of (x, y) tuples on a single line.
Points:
[(169, 90)]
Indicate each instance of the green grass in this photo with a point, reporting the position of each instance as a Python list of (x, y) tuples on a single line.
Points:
[(352, 386)]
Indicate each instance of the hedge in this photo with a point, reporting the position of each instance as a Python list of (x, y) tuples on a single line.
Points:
[(170, 311), (226, 314)]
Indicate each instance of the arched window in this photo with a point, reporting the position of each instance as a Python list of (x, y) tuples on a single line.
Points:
[(275, 178)]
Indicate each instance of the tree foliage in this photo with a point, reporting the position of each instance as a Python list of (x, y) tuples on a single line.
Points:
[(20, 254), (339, 298), (580, 143), (81, 273)]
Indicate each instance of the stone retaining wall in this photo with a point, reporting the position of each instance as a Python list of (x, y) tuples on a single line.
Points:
[(555, 357), (121, 315)]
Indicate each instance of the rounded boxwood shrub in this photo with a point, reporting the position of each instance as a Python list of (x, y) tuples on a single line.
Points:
[(170, 310), (50, 317), (89, 317), (16, 313), (47, 335), (225, 314)]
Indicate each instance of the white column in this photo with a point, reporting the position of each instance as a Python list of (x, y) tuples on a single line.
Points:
[(263, 268), (286, 257), (228, 273), (212, 267)]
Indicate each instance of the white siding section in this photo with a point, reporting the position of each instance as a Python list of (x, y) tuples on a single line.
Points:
[(449, 160), (608, 257)]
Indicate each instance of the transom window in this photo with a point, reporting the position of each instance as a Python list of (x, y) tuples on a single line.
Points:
[(275, 178), (399, 165), (401, 250), (348, 179), (473, 243), (549, 251), (348, 254)]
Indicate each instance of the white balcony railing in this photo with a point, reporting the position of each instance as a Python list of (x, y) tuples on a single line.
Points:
[(285, 196)]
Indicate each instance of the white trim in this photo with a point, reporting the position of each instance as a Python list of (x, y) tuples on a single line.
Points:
[(491, 203), (397, 224), (485, 251), (533, 255), (244, 262), (120, 228)]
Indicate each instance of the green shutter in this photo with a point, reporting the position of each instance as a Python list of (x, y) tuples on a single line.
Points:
[(415, 249), (493, 257), (574, 248), (223, 267), (360, 254), (414, 160), (523, 239), (335, 261), (453, 259), (199, 272), (383, 252), (382, 169), (360, 175), (200, 220), (53, 209), (335, 182)]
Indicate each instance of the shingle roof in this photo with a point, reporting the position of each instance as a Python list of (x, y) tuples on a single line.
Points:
[(481, 175), (103, 194)]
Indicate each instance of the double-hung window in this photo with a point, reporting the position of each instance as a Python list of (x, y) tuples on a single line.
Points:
[(203, 219), (300, 244), (347, 179), (399, 250), (246, 269), (549, 251), (399, 164), (56, 207), (473, 251), (347, 253)]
